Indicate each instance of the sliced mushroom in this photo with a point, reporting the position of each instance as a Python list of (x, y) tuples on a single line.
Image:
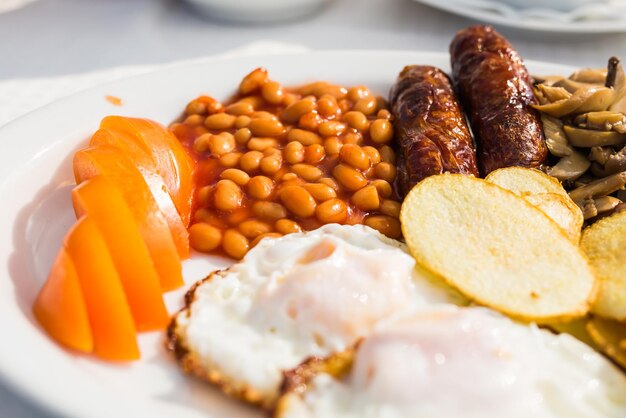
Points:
[(570, 167), (616, 162), (612, 72), (587, 99), (554, 94), (590, 75), (600, 154), (619, 87), (604, 121), (601, 187), (556, 141), (598, 170), (588, 138), (548, 80), (588, 207), (572, 86), (606, 203)]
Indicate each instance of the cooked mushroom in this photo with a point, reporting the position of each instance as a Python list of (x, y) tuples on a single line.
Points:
[(588, 208), (600, 154), (587, 99), (572, 86), (617, 79), (616, 162), (553, 94), (598, 188), (556, 141), (590, 75), (588, 138), (604, 121), (611, 73), (570, 167), (606, 203)]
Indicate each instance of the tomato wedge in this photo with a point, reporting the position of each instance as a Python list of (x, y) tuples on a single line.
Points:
[(104, 204), (120, 170), (60, 306), (146, 166), (114, 333), (171, 160)]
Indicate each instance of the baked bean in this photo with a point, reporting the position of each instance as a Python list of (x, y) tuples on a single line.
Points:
[(273, 92), (194, 120), (294, 152), (201, 143), (290, 99), (257, 102), (261, 144), (385, 171), (260, 187), (385, 224), (303, 137), (220, 121), (292, 113), (242, 135), (332, 145), (310, 121), (269, 210), (221, 143), (235, 244), (313, 154), (331, 128), (373, 154), (355, 156), (338, 92), (241, 178), (356, 120), (204, 194), (329, 182), (196, 107), (271, 163), (381, 131), (308, 89), (383, 114), (348, 177), (366, 105), (204, 237), (262, 114), (332, 211), (240, 108), (358, 92), (250, 161), (381, 104), (208, 217), (327, 106), (266, 127), (298, 201), (230, 160), (345, 105), (287, 226), (352, 138), (387, 154), (307, 172), (253, 228), (366, 198), (242, 121), (384, 188), (320, 191), (227, 196), (289, 177), (253, 81), (237, 216), (258, 239), (390, 207)]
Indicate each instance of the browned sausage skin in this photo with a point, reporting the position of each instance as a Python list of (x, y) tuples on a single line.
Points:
[(496, 92), (431, 134)]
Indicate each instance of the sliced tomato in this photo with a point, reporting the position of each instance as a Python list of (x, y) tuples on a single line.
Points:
[(102, 202), (114, 333), (113, 164), (60, 306), (146, 166)]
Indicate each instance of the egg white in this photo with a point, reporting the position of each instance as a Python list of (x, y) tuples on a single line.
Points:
[(307, 294), (452, 362)]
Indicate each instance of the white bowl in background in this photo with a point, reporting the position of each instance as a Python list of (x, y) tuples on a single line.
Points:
[(560, 5), (257, 11)]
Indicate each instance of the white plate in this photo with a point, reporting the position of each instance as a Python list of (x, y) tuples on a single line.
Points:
[(521, 21), (35, 165)]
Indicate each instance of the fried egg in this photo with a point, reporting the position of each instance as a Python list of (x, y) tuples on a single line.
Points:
[(302, 295), (452, 362)]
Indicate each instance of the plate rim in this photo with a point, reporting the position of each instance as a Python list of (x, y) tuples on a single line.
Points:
[(19, 382)]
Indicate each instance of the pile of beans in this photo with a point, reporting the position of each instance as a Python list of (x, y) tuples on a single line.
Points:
[(274, 161)]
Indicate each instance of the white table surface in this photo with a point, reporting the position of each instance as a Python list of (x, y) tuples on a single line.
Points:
[(59, 37)]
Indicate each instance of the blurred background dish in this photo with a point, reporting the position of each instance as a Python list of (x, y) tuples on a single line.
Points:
[(257, 11), (557, 16)]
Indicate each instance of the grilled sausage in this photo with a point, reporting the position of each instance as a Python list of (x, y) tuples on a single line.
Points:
[(496, 91), (432, 136)]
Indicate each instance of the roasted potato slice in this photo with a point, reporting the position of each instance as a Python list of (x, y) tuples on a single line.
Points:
[(496, 248), (610, 337), (561, 210), (524, 181), (604, 242)]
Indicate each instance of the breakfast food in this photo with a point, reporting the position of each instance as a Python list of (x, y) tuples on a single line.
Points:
[(583, 118), (496, 91), (431, 134), (305, 294), (457, 362), (561, 210), (604, 244), (275, 160), (496, 248), (610, 337)]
